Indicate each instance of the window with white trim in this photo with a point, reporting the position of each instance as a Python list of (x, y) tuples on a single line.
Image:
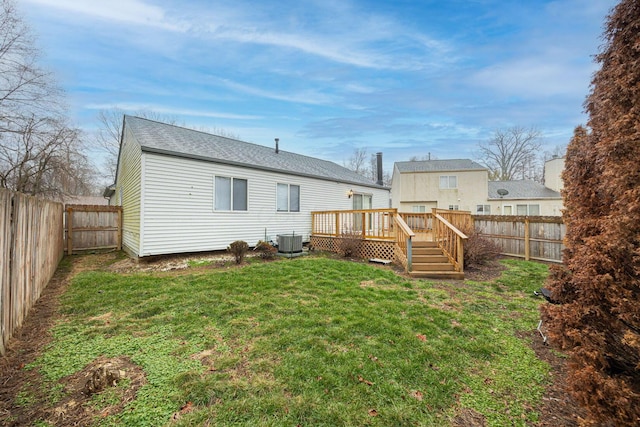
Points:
[(483, 209), (454, 207), (288, 198), (448, 182), (528, 210), (419, 208), (230, 194)]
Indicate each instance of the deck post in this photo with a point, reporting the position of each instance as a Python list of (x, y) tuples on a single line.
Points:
[(337, 224), (409, 253)]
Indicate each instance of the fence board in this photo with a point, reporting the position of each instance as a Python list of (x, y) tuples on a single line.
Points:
[(534, 237), (31, 246)]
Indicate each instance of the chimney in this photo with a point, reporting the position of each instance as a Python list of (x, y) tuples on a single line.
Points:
[(277, 149), (379, 168)]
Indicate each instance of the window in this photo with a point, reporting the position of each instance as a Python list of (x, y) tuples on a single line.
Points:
[(448, 182), (527, 210), (419, 208), (453, 207), (288, 198), (362, 201), (230, 194), (483, 209)]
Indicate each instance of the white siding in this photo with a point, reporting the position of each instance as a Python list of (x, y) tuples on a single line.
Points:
[(127, 193), (179, 214)]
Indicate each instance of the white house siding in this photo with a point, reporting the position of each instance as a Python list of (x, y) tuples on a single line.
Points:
[(548, 207), (128, 194), (179, 211), (553, 174)]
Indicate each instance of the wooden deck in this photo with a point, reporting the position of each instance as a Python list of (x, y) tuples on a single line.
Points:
[(400, 237)]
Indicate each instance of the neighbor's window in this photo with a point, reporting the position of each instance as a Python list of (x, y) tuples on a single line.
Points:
[(230, 194), (419, 208), (288, 198), (527, 210), (483, 209), (448, 181), (454, 207)]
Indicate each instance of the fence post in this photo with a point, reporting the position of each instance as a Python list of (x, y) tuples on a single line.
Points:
[(120, 229), (527, 240), (69, 230)]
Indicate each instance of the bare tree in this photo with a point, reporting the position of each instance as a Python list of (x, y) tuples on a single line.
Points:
[(25, 88), (358, 161), (512, 154), (365, 164), (44, 157), (40, 154)]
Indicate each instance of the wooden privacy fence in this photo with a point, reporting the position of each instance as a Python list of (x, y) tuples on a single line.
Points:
[(529, 237), (91, 227), (31, 246)]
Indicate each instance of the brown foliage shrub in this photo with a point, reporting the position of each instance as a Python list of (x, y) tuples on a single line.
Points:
[(238, 249), (266, 250), (349, 244), (478, 250), (597, 320)]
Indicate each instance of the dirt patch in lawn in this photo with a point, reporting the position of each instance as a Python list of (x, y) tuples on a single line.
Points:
[(558, 407), (73, 406)]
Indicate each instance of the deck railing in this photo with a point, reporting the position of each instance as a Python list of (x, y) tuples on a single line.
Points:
[(404, 241), (369, 223), (459, 219), (418, 222), (450, 239)]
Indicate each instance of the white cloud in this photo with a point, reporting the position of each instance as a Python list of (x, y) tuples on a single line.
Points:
[(125, 11), (303, 97), (130, 107)]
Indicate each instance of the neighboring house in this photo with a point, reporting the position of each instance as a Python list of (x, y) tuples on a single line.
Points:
[(458, 184), (187, 191), (553, 173), (523, 197), (462, 184)]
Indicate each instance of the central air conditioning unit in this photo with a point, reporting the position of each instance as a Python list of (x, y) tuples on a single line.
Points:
[(289, 243)]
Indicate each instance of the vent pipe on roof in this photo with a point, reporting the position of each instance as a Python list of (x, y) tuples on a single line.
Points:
[(380, 181), (277, 149)]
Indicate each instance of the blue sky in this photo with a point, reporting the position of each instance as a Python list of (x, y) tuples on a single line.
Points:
[(327, 76)]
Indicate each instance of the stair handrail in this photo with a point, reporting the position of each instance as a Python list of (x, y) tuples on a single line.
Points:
[(450, 240), (404, 236)]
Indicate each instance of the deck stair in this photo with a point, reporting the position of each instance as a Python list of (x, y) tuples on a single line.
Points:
[(428, 261)]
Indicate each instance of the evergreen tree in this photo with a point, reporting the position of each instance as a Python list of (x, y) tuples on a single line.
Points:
[(598, 318)]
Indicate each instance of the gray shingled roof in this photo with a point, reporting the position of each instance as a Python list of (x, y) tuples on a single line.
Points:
[(162, 138), (522, 189), (439, 165)]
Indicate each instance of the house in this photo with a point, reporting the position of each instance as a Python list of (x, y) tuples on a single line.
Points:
[(456, 184), (462, 184), (553, 173), (521, 197), (183, 190)]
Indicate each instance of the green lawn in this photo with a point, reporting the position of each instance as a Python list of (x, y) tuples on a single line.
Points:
[(311, 341)]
